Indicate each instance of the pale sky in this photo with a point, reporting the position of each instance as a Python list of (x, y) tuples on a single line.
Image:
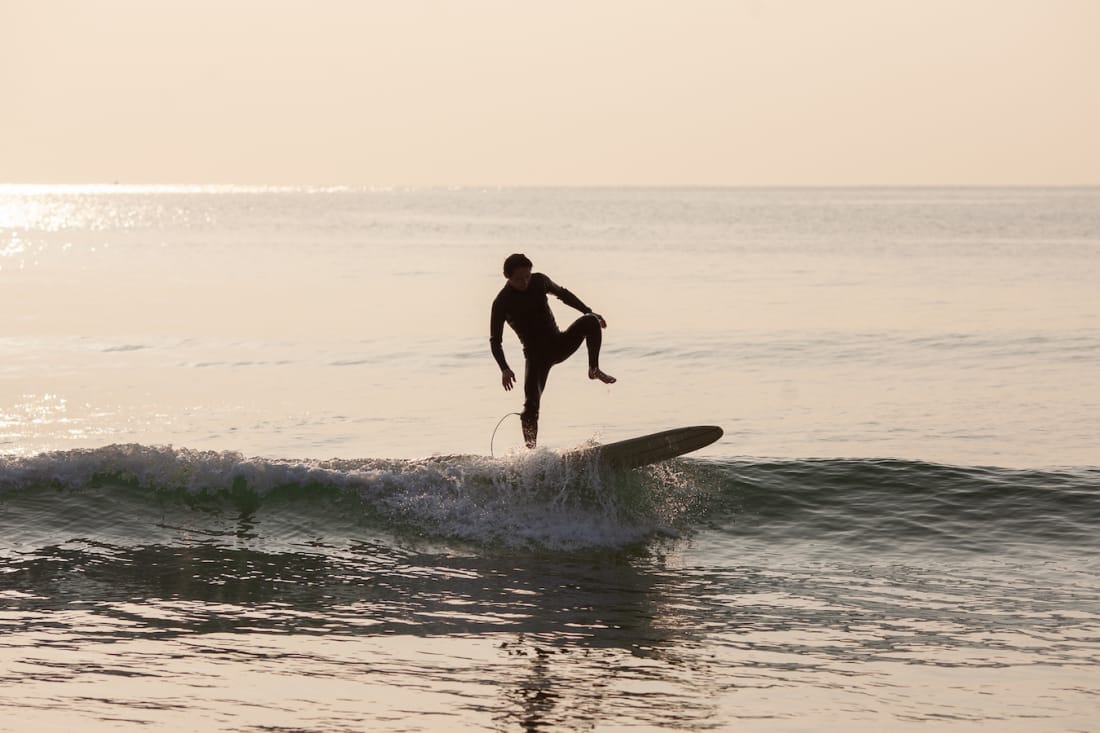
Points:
[(555, 92)]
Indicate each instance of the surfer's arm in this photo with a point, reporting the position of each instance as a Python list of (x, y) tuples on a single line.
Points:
[(496, 337), (565, 296), (569, 299)]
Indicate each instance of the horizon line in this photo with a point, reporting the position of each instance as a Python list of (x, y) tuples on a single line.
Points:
[(181, 187)]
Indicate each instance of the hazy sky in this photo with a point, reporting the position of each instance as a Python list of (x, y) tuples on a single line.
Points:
[(420, 92)]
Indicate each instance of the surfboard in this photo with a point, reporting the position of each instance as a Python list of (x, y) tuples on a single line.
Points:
[(652, 448)]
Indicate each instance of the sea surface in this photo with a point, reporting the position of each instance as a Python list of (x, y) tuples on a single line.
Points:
[(258, 473)]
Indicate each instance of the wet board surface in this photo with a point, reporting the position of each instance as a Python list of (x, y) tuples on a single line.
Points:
[(652, 448)]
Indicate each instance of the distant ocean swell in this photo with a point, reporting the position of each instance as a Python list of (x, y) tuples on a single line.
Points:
[(134, 494)]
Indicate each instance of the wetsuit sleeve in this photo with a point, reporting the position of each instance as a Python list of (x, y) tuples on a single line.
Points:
[(496, 335), (565, 296)]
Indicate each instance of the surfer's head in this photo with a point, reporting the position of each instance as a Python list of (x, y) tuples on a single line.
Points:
[(517, 268)]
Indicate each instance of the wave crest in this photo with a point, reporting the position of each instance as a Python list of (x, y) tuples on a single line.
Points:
[(539, 499)]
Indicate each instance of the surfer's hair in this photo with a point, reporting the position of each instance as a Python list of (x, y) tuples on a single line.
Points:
[(514, 262)]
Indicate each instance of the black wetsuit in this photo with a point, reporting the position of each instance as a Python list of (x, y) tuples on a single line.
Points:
[(528, 313)]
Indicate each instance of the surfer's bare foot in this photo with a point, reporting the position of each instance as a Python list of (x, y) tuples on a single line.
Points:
[(595, 373)]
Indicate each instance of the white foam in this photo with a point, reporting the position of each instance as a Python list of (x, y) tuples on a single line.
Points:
[(536, 499)]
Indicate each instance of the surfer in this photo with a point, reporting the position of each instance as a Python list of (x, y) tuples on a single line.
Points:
[(523, 304)]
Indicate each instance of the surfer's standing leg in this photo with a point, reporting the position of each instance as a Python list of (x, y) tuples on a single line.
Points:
[(535, 373)]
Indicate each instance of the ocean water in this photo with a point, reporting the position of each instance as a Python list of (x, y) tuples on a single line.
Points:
[(257, 471)]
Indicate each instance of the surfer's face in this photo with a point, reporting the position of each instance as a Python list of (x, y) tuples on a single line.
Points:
[(520, 278)]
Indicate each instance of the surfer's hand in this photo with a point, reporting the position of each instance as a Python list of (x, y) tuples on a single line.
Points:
[(603, 323), (508, 379)]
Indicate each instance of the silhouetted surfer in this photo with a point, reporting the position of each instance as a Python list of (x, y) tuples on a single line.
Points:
[(523, 304)]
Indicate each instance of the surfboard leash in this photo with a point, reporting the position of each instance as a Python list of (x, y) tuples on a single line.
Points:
[(494, 436)]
